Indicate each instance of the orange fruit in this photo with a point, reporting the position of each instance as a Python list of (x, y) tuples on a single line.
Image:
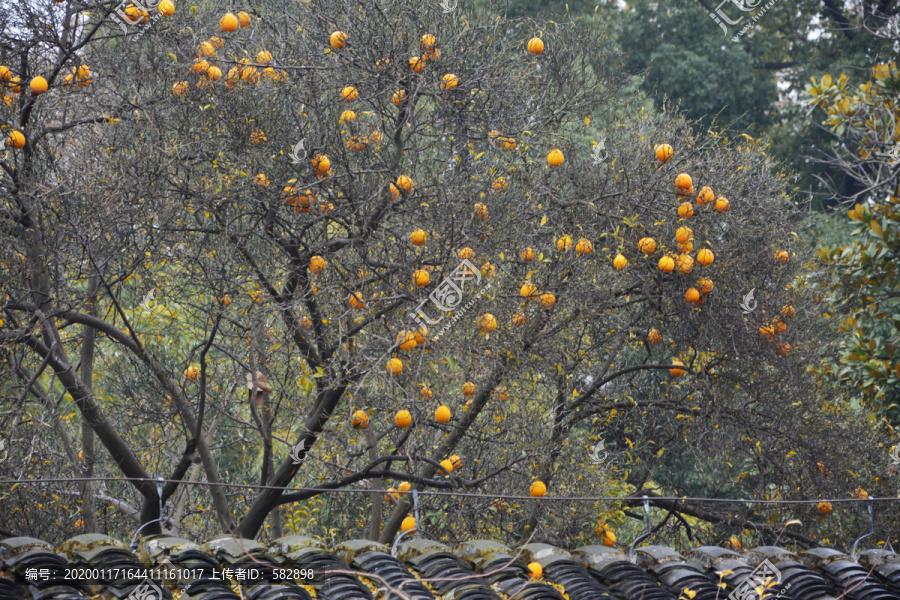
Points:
[(338, 39), (692, 295), (456, 461), (5, 73), (824, 508), (200, 66), (686, 210), (38, 85), (356, 301), (528, 291), (684, 183), (620, 262), (428, 41), (405, 183), (536, 45), (443, 414), (583, 247), (264, 57), (399, 97), (214, 73), (538, 489), (676, 371), (468, 389), (16, 140), (507, 143), (349, 93), (316, 264), (705, 257), (782, 256), (768, 332), (421, 278), (487, 323), (547, 300), (683, 234), (788, 311), (687, 246), (647, 246), (667, 264), (465, 253), (449, 81), (722, 204), (446, 466), (535, 571), (654, 337), (416, 64), (244, 19), (481, 211), (322, 164), (83, 75), (229, 23), (684, 263), (519, 319), (192, 373), (359, 419), (564, 243), (402, 419), (418, 237), (500, 184), (404, 486), (408, 525), (664, 152), (609, 538), (705, 286), (555, 158), (424, 393), (306, 322), (407, 340), (782, 349), (779, 325), (395, 367), (527, 255), (706, 196)]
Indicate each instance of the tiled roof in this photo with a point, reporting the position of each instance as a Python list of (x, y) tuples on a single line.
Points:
[(300, 568)]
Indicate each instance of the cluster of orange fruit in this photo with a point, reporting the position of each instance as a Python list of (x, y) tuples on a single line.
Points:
[(38, 85), (606, 534), (777, 326), (246, 71), (139, 16), (682, 261), (338, 40)]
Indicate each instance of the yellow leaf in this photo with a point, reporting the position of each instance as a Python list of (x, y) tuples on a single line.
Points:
[(876, 228), (543, 220)]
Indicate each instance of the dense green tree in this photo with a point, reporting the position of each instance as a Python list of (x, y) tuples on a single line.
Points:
[(865, 282)]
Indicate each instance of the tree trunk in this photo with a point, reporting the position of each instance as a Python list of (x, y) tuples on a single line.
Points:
[(377, 499), (326, 401), (88, 510)]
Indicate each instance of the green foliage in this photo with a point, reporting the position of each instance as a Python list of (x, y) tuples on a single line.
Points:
[(867, 284), (688, 64)]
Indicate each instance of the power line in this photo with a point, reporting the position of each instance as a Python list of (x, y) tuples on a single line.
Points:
[(442, 493)]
